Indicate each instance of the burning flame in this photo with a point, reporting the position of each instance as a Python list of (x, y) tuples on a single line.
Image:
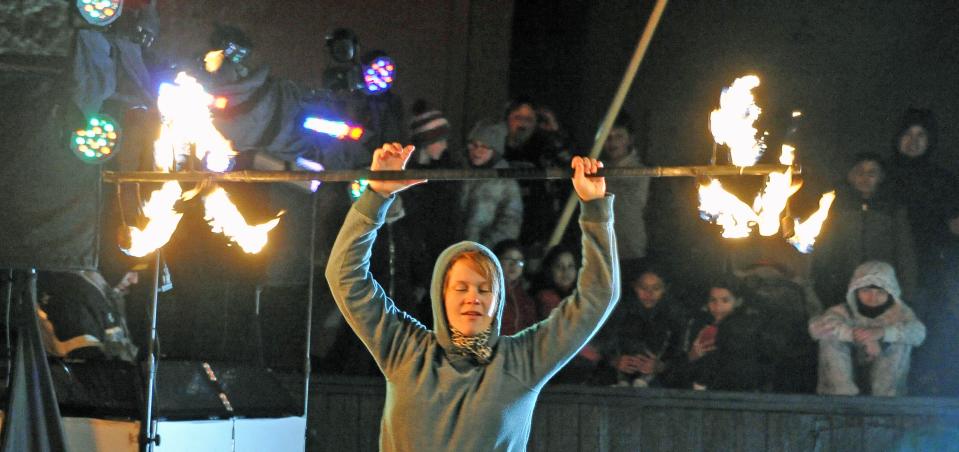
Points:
[(163, 221), (771, 202), (185, 109), (224, 218), (725, 209), (187, 124), (732, 124), (807, 231)]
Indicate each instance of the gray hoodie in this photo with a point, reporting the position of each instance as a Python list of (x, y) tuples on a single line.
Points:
[(899, 322), (438, 400)]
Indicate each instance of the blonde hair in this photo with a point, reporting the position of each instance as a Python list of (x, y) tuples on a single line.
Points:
[(478, 262)]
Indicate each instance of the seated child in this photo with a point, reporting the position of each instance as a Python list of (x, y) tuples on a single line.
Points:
[(865, 343)]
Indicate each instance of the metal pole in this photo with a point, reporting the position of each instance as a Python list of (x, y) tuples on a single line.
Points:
[(148, 428), (8, 346), (307, 368), (441, 174), (612, 113)]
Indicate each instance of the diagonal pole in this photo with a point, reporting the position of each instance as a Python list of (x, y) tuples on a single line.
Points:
[(611, 114)]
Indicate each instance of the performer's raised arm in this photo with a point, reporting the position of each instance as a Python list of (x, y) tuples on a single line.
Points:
[(550, 344), (383, 328)]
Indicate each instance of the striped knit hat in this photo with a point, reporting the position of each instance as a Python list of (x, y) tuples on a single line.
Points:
[(428, 126)]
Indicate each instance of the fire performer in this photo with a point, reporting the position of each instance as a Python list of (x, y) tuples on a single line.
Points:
[(462, 386)]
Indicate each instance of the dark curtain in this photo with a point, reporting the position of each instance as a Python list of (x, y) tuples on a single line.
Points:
[(32, 419)]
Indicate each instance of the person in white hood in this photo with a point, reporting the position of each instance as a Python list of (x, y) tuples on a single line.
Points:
[(865, 343)]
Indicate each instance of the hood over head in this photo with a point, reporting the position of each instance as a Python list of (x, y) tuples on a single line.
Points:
[(873, 273), (916, 117), (440, 323)]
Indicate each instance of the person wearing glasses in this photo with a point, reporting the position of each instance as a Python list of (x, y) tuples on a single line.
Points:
[(520, 309), (462, 385)]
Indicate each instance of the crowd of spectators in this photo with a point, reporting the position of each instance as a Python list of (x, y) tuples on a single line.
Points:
[(847, 326)]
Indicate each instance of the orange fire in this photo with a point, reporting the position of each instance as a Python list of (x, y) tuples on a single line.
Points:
[(224, 218), (187, 131), (807, 231)]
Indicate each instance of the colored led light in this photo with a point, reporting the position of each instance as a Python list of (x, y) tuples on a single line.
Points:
[(100, 13), (97, 142)]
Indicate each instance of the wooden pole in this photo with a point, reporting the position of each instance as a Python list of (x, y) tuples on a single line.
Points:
[(612, 113)]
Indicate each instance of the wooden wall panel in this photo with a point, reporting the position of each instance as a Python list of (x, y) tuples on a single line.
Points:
[(345, 415)]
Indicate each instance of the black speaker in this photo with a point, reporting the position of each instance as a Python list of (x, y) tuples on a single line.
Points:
[(217, 390), (97, 388)]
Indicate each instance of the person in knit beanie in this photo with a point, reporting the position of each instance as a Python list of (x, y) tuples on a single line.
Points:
[(866, 342), (491, 209), (429, 132)]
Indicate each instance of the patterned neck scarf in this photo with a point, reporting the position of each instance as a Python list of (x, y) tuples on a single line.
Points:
[(476, 347)]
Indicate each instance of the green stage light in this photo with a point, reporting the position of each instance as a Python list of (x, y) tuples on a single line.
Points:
[(96, 143), (100, 12)]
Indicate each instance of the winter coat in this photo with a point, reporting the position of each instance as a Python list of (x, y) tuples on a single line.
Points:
[(634, 330), (631, 194), (492, 209), (899, 323), (741, 360), (440, 400), (859, 230)]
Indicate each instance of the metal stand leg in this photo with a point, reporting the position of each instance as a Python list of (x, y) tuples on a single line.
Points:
[(149, 437)]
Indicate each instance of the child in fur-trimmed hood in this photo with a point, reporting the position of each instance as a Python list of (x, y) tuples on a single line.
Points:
[(865, 343)]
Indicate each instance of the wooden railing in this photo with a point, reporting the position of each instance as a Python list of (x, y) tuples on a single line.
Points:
[(345, 413)]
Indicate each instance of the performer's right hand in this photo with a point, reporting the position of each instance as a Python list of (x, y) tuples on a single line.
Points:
[(392, 157)]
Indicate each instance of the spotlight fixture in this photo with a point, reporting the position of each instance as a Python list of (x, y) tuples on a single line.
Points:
[(98, 142), (378, 74), (337, 129), (100, 12)]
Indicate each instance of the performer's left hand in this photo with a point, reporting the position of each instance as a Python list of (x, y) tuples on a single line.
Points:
[(588, 188)]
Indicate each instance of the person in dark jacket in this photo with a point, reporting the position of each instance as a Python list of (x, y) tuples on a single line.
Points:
[(520, 309), (643, 339), (725, 346), (930, 194), (865, 223)]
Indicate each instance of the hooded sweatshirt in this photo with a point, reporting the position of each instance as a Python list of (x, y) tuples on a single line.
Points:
[(440, 400), (899, 323)]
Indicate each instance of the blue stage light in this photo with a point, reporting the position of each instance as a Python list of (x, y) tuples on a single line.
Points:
[(378, 74), (337, 129)]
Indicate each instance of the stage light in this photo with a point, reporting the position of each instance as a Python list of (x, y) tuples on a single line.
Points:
[(311, 165), (220, 102), (96, 143), (337, 129), (357, 188), (378, 74), (100, 12)]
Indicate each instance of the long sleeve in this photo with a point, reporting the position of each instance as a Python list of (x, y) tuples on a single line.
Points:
[(389, 333), (909, 331), (831, 325), (544, 348)]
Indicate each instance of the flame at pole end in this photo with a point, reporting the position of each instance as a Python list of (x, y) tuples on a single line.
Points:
[(225, 218), (788, 155), (732, 123), (163, 221), (725, 209), (807, 231), (185, 109), (771, 202)]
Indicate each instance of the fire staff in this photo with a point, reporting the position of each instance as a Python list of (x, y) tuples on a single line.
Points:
[(462, 386)]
